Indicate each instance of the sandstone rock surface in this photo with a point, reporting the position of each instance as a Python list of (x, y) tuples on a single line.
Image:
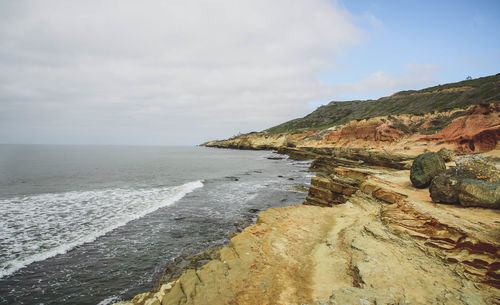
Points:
[(185, 262), (361, 252), (355, 156), (384, 245)]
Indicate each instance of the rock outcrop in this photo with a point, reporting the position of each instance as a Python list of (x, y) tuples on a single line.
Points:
[(328, 191), (183, 263), (342, 183), (476, 129), (258, 141), (356, 156), (330, 157), (385, 244), (297, 154)]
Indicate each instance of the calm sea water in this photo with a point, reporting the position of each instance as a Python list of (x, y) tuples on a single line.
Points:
[(97, 224)]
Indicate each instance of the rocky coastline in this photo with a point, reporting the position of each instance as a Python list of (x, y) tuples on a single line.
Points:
[(380, 224), (473, 130)]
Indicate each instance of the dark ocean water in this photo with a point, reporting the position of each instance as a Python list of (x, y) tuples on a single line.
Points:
[(97, 224)]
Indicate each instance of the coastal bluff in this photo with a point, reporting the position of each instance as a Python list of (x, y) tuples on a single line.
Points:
[(473, 130)]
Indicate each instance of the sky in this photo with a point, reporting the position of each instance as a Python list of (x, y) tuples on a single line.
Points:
[(182, 72)]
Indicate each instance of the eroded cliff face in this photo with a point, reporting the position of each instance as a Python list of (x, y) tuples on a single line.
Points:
[(476, 129), (255, 141)]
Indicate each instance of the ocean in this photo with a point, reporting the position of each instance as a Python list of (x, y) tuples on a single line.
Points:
[(97, 224)]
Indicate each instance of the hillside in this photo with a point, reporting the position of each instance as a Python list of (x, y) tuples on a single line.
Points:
[(473, 130), (438, 98)]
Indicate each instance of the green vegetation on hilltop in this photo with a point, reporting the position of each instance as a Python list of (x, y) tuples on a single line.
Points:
[(438, 98)]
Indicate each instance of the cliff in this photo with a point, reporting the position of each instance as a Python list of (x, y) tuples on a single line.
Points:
[(475, 129)]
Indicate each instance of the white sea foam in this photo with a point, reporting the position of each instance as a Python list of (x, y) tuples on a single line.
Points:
[(110, 300), (34, 228), (272, 154)]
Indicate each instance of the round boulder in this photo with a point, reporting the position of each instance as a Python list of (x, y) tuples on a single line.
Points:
[(446, 154), (445, 186), (425, 168)]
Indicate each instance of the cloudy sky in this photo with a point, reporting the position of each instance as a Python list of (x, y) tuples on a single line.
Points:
[(183, 72)]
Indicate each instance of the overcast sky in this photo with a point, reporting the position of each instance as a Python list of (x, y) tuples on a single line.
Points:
[(183, 72)]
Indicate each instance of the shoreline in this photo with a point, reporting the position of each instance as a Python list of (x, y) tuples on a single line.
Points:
[(197, 259), (133, 255), (389, 211)]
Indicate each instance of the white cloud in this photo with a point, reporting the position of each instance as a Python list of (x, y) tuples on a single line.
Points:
[(415, 75), (161, 71)]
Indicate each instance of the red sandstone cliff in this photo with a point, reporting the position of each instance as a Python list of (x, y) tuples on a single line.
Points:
[(477, 129)]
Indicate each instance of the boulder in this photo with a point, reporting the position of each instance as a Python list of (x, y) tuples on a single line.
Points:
[(462, 160), (479, 193), (482, 169), (444, 187), (425, 168), (446, 154)]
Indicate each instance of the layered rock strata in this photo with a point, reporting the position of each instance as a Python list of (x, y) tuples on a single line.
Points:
[(383, 242), (475, 129), (334, 156)]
